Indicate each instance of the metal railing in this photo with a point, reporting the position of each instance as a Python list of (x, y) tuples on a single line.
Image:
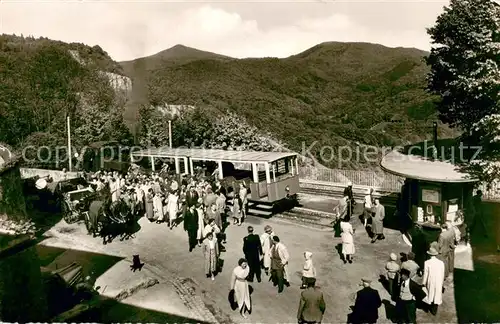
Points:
[(378, 180)]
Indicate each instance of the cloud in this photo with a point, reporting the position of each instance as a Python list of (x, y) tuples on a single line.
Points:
[(131, 30)]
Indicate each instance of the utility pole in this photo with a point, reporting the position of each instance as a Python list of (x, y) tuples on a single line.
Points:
[(70, 156), (170, 133)]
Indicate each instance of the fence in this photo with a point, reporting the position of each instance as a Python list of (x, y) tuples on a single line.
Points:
[(380, 180), (493, 193)]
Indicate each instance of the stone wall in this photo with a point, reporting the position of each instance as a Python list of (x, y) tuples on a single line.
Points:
[(57, 175), (12, 203)]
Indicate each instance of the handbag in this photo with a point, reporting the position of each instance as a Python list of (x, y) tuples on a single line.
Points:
[(232, 301)]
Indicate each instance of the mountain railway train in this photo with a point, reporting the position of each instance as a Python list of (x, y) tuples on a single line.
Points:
[(271, 177)]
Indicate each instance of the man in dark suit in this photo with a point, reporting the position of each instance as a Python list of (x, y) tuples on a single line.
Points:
[(476, 214), (191, 197), (350, 194), (409, 292), (191, 226), (446, 248), (253, 251), (312, 304), (367, 304)]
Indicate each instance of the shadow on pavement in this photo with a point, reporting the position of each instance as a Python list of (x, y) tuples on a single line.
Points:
[(477, 292), (98, 309), (112, 311), (93, 264)]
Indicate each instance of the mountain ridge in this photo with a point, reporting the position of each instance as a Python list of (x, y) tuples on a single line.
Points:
[(333, 93), (176, 52)]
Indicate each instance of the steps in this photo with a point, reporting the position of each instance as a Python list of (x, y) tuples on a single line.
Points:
[(260, 209)]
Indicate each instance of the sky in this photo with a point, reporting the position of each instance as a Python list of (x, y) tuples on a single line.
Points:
[(132, 29)]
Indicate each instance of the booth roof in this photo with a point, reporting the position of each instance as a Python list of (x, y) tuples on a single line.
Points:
[(420, 168), (215, 155)]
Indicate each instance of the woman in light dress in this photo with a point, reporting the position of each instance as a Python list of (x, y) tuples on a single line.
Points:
[(149, 205), (241, 288), (211, 254), (201, 220), (140, 200), (173, 208), (266, 240), (243, 193), (368, 205), (114, 188), (237, 214), (347, 236), (308, 271), (158, 207)]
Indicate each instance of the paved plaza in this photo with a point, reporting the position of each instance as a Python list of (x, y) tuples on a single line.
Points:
[(166, 255)]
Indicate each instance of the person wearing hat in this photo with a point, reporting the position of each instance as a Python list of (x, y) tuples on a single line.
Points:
[(266, 240), (409, 293), (312, 304), (349, 193), (446, 247), (433, 281), (279, 264), (378, 221), (365, 309), (392, 267)]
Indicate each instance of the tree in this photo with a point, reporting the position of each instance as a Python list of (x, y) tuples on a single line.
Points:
[(194, 128), (465, 62), (486, 165), (153, 127)]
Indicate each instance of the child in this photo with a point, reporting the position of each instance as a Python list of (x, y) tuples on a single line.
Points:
[(392, 268), (309, 271)]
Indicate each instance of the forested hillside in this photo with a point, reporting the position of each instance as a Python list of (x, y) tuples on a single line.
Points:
[(339, 94), (42, 81)]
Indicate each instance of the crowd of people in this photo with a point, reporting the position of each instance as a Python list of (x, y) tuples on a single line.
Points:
[(412, 281), (205, 207)]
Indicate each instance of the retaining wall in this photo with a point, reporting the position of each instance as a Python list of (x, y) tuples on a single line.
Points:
[(57, 175)]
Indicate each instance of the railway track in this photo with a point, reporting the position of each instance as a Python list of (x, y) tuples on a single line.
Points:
[(315, 218), (337, 191), (322, 220)]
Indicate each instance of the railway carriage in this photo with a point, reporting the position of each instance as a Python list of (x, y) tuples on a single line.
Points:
[(272, 177)]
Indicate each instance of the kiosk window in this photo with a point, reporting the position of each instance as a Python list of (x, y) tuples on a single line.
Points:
[(429, 210)]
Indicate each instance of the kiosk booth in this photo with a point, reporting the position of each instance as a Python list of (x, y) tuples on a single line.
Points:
[(434, 192)]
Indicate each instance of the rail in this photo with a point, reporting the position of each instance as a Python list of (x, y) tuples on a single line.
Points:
[(364, 179), (337, 190)]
